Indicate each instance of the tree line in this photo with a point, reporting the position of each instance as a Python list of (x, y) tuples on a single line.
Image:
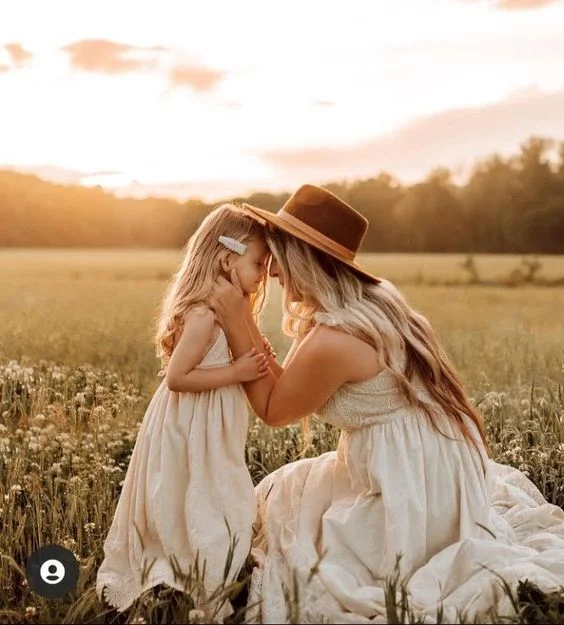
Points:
[(509, 204)]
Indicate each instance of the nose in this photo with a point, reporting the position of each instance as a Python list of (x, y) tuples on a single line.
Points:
[(273, 270)]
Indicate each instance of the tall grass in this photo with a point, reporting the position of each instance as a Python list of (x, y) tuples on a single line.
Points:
[(77, 370)]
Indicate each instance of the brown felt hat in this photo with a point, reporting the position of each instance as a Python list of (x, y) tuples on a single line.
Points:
[(323, 220)]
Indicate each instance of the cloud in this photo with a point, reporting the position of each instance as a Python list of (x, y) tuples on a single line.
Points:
[(198, 77), (454, 138), (323, 103), (18, 54), (4, 69), (110, 57), (518, 5)]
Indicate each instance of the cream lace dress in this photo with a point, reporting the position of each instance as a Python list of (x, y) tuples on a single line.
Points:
[(186, 480), (333, 525)]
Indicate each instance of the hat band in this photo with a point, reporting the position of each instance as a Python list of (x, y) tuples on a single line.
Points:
[(321, 238)]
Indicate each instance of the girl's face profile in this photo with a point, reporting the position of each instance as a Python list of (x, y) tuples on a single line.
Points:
[(251, 267)]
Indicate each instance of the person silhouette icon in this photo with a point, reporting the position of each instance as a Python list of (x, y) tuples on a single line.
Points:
[(53, 576), (52, 571)]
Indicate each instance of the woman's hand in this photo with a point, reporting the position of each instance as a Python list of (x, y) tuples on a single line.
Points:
[(250, 366), (227, 298)]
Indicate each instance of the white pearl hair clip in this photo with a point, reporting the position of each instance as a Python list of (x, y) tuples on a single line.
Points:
[(233, 245)]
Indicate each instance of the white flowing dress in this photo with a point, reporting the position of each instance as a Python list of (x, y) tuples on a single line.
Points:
[(332, 526), (187, 479)]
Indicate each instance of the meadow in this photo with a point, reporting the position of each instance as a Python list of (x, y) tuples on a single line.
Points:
[(77, 369)]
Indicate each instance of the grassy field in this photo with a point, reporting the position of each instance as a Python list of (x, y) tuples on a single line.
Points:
[(77, 369)]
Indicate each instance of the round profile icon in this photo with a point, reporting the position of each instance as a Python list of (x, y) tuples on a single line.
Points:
[(52, 571)]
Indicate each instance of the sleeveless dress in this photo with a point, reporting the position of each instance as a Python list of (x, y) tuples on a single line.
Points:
[(332, 526), (187, 479)]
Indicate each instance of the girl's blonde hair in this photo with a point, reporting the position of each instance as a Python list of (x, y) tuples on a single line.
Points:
[(318, 287), (192, 284)]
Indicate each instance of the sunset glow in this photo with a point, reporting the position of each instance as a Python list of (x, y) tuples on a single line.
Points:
[(214, 99)]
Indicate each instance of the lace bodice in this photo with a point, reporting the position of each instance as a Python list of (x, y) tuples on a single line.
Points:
[(374, 401)]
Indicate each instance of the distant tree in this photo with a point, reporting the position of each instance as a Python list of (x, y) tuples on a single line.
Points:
[(488, 199), (513, 204), (430, 216), (376, 198)]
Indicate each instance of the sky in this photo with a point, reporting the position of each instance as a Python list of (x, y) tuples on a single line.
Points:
[(217, 99)]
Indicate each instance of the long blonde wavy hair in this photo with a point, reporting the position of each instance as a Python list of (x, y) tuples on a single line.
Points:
[(201, 265), (319, 288)]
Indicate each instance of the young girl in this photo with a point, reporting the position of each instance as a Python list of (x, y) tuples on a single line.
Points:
[(188, 493)]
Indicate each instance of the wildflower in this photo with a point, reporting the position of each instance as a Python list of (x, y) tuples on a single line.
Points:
[(89, 527), (70, 543), (99, 412), (16, 488), (30, 611), (196, 616)]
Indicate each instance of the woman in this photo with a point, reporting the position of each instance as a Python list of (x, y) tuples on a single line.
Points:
[(411, 475)]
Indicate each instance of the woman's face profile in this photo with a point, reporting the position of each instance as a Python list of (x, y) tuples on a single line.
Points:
[(274, 271)]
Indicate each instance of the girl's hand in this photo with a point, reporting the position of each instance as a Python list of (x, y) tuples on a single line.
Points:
[(268, 347), (251, 366), (227, 298)]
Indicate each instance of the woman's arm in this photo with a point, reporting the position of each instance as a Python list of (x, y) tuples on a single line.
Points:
[(291, 352), (242, 335), (320, 364), (258, 343)]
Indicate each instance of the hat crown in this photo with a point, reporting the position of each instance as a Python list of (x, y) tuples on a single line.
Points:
[(329, 215)]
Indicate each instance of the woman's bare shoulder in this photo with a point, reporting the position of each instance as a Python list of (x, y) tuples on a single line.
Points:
[(358, 357)]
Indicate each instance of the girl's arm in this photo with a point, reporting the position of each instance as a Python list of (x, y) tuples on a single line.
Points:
[(198, 380), (242, 335), (182, 376)]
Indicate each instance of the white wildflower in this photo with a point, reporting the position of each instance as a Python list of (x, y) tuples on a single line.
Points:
[(195, 616), (56, 468)]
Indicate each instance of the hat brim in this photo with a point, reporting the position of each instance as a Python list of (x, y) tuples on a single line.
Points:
[(264, 217)]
